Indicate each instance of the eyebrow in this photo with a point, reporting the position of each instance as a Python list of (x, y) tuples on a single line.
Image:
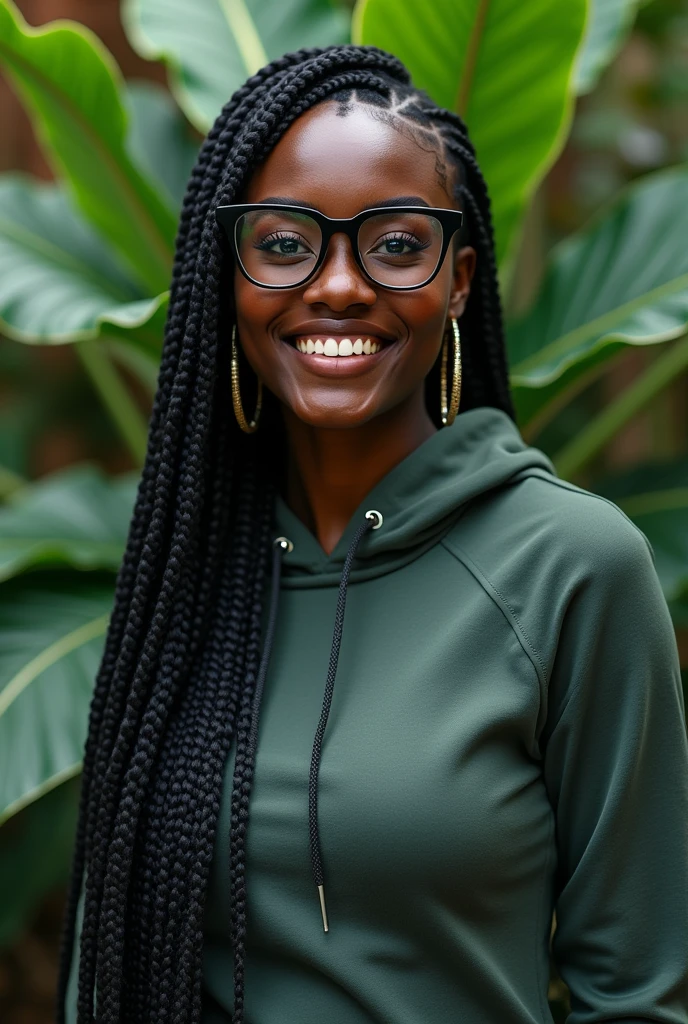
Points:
[(394, 201)]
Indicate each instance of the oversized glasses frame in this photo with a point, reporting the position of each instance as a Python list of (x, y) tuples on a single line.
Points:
[(228, 218)]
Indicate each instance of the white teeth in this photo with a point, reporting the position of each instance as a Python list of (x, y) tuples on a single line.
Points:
[(331, 347)]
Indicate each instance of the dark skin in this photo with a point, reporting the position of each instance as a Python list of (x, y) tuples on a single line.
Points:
[(348, 423)]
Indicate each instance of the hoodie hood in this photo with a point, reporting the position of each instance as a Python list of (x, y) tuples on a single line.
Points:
[(420, 499)]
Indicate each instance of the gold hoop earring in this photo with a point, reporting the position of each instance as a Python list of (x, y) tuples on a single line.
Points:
[(248, 428), (449, 412)]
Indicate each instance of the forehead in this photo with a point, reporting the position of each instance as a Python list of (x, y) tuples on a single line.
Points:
[(340, 164)]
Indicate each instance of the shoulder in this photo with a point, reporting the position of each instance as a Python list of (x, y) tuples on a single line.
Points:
[(542, 520), (539, 544)]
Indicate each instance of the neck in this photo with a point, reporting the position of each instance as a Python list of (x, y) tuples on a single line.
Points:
[(329, 472)]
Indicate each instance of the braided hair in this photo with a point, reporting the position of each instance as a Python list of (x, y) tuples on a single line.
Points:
[(176, 681)]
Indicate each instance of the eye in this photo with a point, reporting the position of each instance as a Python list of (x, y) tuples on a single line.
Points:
[(283, 243), (399, 244)]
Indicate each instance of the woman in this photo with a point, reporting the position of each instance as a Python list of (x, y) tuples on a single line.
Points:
[(333, 427)]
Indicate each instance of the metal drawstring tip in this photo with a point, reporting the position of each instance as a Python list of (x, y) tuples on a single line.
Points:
[(321, 894)]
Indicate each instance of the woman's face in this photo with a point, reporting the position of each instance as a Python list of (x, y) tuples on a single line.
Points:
[(340, 166)]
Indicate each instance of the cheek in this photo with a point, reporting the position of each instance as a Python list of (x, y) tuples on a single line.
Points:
[(424, 312), (257, 310), (255, 307)]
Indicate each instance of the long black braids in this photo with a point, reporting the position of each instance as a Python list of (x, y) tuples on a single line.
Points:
[(177, 676)]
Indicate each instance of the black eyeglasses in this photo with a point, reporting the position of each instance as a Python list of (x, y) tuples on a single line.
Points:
[(400, 247)]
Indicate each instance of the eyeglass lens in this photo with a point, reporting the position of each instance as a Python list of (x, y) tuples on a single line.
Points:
[(281, 247)]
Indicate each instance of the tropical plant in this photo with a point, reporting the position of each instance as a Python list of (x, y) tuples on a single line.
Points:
[(85, 261)]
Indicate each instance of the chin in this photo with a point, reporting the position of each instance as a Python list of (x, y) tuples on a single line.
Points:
[(335, 415)]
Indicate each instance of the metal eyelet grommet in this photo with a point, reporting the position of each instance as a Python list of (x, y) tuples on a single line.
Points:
[(284, 543), (374, 514)]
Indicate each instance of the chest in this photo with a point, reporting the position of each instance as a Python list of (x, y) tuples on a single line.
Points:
[(429, 778)]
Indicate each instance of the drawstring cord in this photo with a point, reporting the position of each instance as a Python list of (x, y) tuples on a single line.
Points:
[(373, 521)]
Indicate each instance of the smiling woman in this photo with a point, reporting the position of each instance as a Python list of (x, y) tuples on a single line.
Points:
[(257, 846)]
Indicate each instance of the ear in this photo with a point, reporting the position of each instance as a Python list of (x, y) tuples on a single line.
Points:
[(464, 269)]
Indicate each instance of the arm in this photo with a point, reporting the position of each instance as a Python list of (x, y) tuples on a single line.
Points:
[(616, 769)]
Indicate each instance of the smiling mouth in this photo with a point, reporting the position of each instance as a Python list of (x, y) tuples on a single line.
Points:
[(324, 345)]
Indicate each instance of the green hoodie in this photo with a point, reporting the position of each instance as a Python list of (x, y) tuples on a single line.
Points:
[(506, 739)]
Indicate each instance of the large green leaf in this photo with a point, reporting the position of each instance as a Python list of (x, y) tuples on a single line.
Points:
[(505, 66), (608, 25), (655, 497), (52, 627), (58, 281), (160, 139), (143, 363), (26, 873), (621, 281), (212, 46), (76, 517), (71, 86)]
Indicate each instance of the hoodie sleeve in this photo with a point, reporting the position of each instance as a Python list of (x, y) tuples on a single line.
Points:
[(615, 756)]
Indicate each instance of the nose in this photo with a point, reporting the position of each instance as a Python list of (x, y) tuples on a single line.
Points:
[(339, 283)]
